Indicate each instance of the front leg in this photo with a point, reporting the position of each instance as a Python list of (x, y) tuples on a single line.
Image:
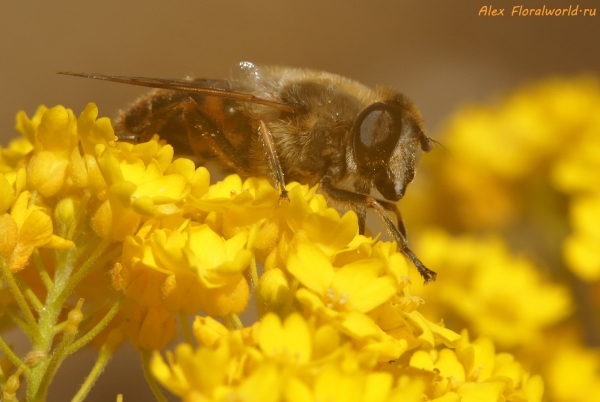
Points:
[(366, 201), (362, 187), (269, 146)]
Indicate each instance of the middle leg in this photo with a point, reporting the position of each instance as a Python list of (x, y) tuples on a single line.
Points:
[(366, 201)]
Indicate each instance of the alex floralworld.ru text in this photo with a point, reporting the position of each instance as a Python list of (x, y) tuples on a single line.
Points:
[(520, 11)]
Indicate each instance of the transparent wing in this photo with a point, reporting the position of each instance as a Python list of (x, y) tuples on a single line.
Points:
[(196, 86)]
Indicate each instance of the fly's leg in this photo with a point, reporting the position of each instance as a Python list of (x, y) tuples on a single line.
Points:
[(392, 207), (361, 187), (366, 201), (364, 187), (269, 146), (201, 128)]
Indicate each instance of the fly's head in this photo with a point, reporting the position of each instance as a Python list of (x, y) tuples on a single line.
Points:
[(386, 138)]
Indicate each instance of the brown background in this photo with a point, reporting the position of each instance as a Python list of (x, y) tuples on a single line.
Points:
[(440, 53)]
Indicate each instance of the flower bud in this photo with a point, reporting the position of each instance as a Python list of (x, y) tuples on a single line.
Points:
[(273, 288), (208, 331)]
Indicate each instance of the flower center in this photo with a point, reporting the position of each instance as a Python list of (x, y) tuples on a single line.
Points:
[(335, 301)]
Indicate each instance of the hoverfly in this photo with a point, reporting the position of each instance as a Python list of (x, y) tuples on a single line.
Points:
[(299, 124)]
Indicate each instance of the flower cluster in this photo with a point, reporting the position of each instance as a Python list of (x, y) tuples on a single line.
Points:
[(528, 162), (146, 240), (491, 290), (511, 214), (310, 360)]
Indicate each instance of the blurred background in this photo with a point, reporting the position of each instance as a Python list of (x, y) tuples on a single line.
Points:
[(441, 54)]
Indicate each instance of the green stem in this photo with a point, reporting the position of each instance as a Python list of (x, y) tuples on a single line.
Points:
[(104, 356), (55, 360), (44, 276), (13, 313), (85, 339), (2, 378), (237, 322), (43, 371), (260, 305), (89, 314), (158, 394), (233, 322), (33, 198), (10, 355), (79, 215), (185, 326), (21, 302), (90, 264), (37, 304)]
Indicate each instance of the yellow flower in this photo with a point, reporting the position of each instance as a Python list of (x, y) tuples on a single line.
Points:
[(193, 375), (135, 189), (93, 131), (497, 294), (336, 322), (291, 361), (150, 327), (26, 228), (335, 385), (359, 286), (309, 213), (55, 139), (574, 373), (235, 206), (274, 289), (208, 331), (11, 185), (581, 248), (476, 373), (289, 343)]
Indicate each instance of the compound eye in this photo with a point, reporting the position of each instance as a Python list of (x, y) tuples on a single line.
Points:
[(376, 134)]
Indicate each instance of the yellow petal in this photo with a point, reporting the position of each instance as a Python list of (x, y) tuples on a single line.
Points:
[(9, 235), (143, 206), (330, 232), (92, 131), (59, 243), (7, 194), (46, 172), (449, 365), (297, 338), (36, 230), (57, 131), (164, 189), (263, 385), (481, 392), (77, 170), (360, 282), (378, 387), (297, 391), (311, 267), (270, 335), (422, 360), (109, 165), (359, 326), (164, 156), (28, 127), (274, 288), (449, 397), (208, 331), (534, 389)]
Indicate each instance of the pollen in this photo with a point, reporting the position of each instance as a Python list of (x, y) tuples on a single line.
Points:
[(335, 301)]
